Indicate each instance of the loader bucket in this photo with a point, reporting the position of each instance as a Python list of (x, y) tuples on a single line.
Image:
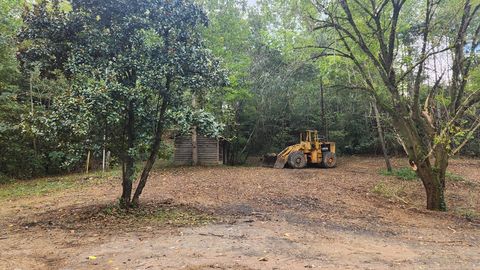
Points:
[(282, 157), (280, 163), (269, 159)]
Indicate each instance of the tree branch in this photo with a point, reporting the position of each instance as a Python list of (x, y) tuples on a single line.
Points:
[(420, 62), (325, 48), (418, 78), (472, 130), (359, 37), (432, 92)]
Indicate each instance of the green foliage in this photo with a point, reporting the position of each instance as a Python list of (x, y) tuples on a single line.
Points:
[(472, 148), (111, 59), (5, 179), (18, 158), (275, 90), (9, 24), (204, 121), (166, 151), (403, 173)]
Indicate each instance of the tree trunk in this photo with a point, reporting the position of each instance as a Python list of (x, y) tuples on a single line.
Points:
[(32, 112), (194, 146), (87, 166), (433, 177), (380, 136), (322, 104), (436, 199), (129, 161), (153, 154), (194, 136), (434, 182)]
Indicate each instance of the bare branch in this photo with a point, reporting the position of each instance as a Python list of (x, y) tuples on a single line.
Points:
[(459, 70), (358, 35), (470, 101), (418, 78), (469, 136), (368, 91), (433, 92), (333, 51), (397, 6), (420, 62)]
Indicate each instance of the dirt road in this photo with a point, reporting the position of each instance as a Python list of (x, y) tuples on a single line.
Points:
[(250, 218)]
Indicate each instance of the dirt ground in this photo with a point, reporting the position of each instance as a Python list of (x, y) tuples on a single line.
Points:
[(350, 217)]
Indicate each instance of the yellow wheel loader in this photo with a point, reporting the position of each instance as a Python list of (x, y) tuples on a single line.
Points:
[(310, 151)]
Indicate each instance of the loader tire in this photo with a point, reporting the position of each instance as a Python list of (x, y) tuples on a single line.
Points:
[(329, 160), (297, 160)]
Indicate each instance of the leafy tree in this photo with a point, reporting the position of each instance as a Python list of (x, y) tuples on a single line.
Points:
[(130, 62), (156, 53), (429, 118), (45, 38)]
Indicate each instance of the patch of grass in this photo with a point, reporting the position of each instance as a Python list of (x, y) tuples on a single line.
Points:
[(468, 213), (407, 174), (389, 190), (36, 187), (403, 173), (181, 217), (454, 177), (171, 215)]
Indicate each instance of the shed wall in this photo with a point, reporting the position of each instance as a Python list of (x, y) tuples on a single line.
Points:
[(207, 149)]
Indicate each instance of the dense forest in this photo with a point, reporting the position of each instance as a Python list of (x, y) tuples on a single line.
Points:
[(81, 77)]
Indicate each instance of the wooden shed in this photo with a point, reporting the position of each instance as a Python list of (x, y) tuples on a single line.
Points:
[(202, 151)]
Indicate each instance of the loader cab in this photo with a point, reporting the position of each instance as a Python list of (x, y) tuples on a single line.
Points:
[(310, 138)]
